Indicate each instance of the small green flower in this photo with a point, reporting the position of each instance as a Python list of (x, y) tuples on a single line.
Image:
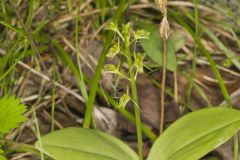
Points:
[(124, 100), (113, 26), (138, 62), (113, 51), (141, 34), (110, 68), (227, 63)]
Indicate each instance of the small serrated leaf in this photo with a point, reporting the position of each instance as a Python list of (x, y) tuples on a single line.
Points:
[(11, 113)]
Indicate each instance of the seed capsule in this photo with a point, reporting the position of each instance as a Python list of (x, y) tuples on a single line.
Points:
[(165, 29), (162, 4)]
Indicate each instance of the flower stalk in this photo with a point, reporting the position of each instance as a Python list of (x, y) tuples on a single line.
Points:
[(125, 37), (164, 34)]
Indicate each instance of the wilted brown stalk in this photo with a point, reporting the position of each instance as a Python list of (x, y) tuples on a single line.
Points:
[(164, 33)]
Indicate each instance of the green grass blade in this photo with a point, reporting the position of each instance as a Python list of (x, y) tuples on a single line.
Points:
[(101, 62), (81, 81), (194, 62), (230, 54), (19, 31), (68, 61), (206, 53)]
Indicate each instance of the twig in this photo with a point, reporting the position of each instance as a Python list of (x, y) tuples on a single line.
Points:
[(48, 79)]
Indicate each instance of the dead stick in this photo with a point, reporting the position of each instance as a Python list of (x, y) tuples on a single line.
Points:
[(162, 109)]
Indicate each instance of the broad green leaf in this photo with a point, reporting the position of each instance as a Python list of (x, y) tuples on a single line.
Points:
[(154, 46), (196, 134), (2, 158), (178, 40), (84, 144), (11, 113)]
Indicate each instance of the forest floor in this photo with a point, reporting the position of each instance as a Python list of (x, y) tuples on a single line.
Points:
[(47, 75)]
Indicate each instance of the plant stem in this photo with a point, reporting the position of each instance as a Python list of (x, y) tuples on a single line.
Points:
[(145, 129), (163, 86), (135, 99), (69, 5), (235, 138), (175, 86), (38, 132), (53, 109), (68, 61)]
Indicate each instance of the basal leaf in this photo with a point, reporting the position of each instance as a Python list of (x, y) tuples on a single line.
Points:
[(11, 113), (84, 144), (154, 46), (2, 158), (196, 134)]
